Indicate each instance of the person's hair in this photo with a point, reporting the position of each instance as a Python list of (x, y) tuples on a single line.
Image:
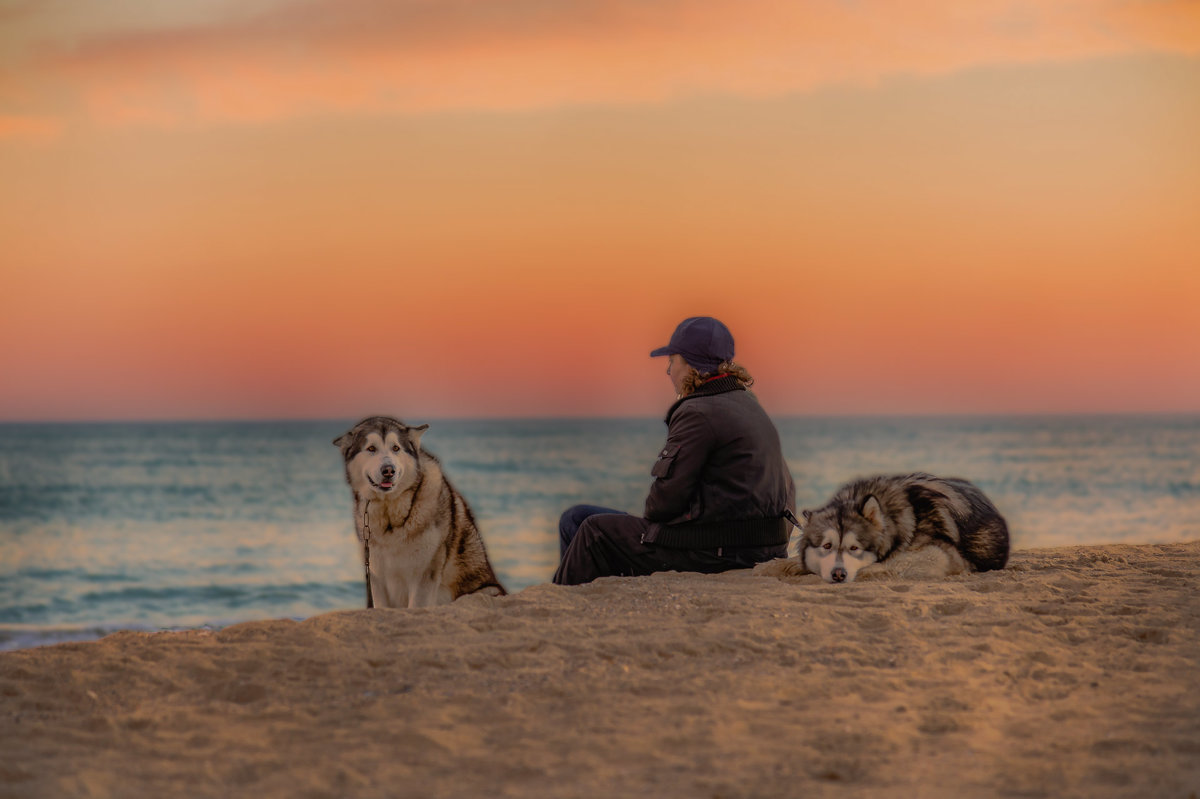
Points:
[(693, 378)]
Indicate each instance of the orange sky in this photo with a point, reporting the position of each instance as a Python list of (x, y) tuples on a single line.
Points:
[(432, 208)]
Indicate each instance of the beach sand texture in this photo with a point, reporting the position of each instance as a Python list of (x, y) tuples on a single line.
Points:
[(1073, 672)]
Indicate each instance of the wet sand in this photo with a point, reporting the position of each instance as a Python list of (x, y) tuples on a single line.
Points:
[(1073, 672)]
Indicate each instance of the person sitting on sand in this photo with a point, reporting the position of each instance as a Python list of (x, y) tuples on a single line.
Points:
[(721, 485)]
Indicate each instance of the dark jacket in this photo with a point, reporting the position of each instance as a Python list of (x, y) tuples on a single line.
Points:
[(722, 465)]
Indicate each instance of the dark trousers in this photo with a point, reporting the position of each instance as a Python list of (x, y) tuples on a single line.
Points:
[(602, 542)]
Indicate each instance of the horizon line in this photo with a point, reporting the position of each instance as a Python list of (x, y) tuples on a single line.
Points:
[(615, 417)]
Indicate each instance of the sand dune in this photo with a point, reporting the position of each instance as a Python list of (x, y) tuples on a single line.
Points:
[(1074, 672)]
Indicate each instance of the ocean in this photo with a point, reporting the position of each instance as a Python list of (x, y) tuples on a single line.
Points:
[(150, 526)]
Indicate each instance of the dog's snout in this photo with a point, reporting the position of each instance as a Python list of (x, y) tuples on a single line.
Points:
[(388, 470), (838, 574)]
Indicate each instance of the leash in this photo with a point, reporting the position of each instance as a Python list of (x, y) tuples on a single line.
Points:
[(367, 554)]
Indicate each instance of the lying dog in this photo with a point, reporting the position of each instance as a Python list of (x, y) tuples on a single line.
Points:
[(914, 525), (423, 545)]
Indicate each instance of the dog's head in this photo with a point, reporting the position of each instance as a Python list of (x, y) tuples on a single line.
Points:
[(837, 540), (382, 455)]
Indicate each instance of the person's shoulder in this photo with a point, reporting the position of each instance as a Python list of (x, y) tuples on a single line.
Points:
[(738, 405), (690, 411), (685, 407)]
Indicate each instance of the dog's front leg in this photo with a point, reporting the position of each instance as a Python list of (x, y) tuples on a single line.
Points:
[(390, 587), (423, 595), (379, 591)]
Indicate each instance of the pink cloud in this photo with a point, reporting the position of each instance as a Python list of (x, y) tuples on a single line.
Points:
[(323, 56)]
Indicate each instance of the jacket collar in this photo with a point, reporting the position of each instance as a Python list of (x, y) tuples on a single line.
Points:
[(722, 385)]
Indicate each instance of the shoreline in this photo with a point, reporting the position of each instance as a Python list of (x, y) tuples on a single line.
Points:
[(31, 636), (1070, 672)]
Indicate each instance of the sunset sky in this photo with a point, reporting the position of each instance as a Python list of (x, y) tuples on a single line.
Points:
[(440, 208)]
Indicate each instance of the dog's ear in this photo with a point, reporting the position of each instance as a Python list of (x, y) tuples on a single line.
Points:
[(342, 441), (415, 433), (872, 511)]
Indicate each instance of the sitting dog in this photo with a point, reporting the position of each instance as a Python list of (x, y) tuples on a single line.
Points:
[(913, 525), (421, 542)]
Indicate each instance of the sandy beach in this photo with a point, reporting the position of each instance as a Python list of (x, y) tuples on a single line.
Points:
[(1073, 672)]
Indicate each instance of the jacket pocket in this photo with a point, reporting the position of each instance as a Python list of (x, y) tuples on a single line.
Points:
[(666, 460)]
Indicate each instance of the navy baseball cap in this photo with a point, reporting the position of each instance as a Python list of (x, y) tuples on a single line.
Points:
[(703, 342)]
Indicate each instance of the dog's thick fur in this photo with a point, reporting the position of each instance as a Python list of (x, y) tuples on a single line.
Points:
[(425, 548), (913, 524)]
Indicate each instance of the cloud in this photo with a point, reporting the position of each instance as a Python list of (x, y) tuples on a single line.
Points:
[(314, 57)]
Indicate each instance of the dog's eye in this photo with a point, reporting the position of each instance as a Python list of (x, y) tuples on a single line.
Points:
[(395, 447), (827, 545), (371, 448), (853, 549)]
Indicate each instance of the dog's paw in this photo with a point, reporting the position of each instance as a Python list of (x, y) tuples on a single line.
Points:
[(781, 567), (874, 571), (926, 563)]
